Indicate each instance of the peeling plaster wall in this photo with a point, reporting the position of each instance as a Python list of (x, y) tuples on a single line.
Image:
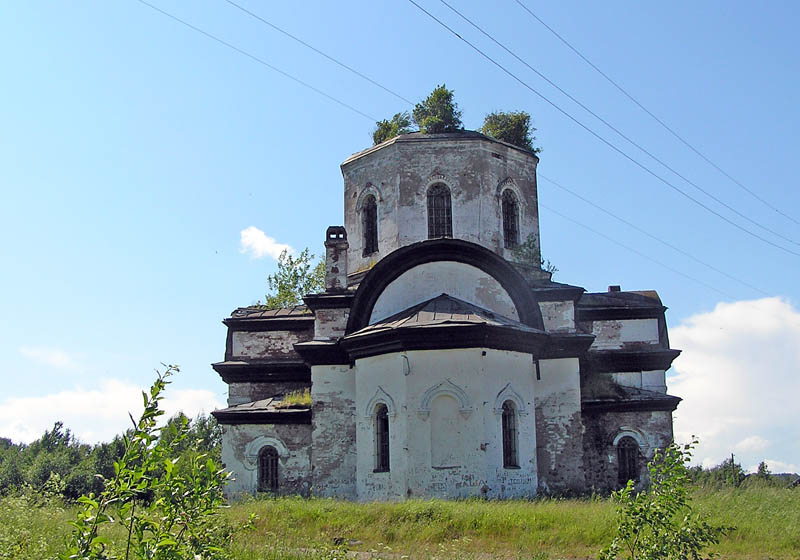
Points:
[(330, 323), (405, 380), (625, 334), (652, 430), (398, 175), (432, 279), (241, 444), (654, 380), (266, 344), (333, 431), (245, 392), (559, 429), (558, 316)]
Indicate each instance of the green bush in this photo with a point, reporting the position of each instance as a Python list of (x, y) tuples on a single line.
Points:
[(658, 523)]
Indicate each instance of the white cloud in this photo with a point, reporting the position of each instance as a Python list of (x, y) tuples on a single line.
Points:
[(93, 415), (739, 378), (776, 467), (48, 356), (258, 244)]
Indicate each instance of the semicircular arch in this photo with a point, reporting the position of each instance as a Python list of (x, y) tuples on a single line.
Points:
[(396, 263)]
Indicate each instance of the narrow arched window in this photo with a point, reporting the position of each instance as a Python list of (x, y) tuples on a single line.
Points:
[(381, 438), (268, 469), (627, 460), (510, 455), (440, 219), (369, 225), (510, 219)]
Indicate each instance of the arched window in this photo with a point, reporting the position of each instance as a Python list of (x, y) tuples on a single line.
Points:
[(369, 225), (627, 460), (381, 438), (510, 219), (440, 220), (510, 455), (268, 469)]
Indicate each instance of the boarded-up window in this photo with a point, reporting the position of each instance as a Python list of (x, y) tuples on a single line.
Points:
[(381, 438), (447, 426), (627, 460), (268, 469), (510, 219), (369, 225), (510, 456), (440, 220)]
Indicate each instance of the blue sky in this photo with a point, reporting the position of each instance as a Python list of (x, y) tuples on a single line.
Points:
[(134, 151)]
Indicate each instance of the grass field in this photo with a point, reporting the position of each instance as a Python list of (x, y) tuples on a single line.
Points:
[(767, 522)]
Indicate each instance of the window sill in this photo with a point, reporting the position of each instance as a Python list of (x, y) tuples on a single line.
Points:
[(512, 467), (380, 470)]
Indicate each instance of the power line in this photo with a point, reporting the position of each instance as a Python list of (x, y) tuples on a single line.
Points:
[(606, 142), (643, 255), (316, 50), (658, 120), (615, 129), (316, 90), (651, 236), (259, 60)]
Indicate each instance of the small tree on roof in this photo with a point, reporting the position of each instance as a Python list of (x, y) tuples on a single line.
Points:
[(514, 128), (400, 124), (438, 112), (295, 277)]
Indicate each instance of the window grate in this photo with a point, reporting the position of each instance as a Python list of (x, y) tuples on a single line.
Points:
[(628, 460), (510, 220), (268, 469), (440, 220), (381, 438), (369, 222), (510, 458)]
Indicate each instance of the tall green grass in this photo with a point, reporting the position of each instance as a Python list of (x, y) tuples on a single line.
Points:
[(767, 521)]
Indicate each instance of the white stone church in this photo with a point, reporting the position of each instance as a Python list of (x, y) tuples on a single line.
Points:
[(438, 365)]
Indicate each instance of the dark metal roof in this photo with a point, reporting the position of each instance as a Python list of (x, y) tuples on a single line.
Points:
[(647, 298), (440, 311), (422, 137), (262, 412), (612, 396), (262, 312)]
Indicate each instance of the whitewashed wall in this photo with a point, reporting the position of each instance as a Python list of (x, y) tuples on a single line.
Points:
[(615, 334), (399, 173), (463, 390), (432, 279)]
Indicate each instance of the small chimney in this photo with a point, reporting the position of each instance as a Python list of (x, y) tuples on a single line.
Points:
[(336, 259), (614, 289)]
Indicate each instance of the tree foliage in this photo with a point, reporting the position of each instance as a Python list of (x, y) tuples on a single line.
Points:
[(528, 253), (514, 128), (659, 523), (399, 124), (166, 502), (296, 277), (438, 112)]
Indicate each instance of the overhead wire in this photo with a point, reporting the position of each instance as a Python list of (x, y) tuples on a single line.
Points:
[(650, 235), (316, 90), (643, 255), (651, 114), (318, 51), (602, 139), (615, 129), (258, 60)]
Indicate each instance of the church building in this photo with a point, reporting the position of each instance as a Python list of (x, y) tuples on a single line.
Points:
[(442, 360)]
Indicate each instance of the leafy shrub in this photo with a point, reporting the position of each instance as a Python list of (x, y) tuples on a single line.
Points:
[(167, 502), (659, 524), (384, 130), (438, 112), (514, 128)]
